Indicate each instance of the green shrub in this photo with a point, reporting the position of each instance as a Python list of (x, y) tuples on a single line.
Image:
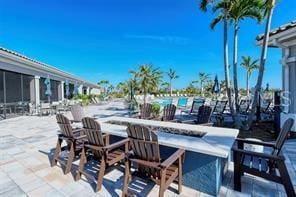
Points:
[(155, 109)]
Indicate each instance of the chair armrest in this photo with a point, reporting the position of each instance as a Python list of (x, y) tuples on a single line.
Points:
[(80, 137), (99, 148), (117, 144), (263, 155), (269, 144), (146, 163), (173, 158)]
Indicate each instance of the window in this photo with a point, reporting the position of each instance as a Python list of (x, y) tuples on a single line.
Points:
[(13, 87)]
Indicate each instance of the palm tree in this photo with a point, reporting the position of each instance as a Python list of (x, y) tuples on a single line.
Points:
[(203, 78), (104, 83), (172, 75), (149, 79), (166, 86), (250, 66), (223, 16), (238, 11), (269, 6)]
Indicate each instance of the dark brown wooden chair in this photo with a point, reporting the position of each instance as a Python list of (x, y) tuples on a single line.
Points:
[(74, 139), (262, 164), (202, 118), (204, 115), (145, 153), (98, 147), (169, 112), (145, 111), (77, 113)]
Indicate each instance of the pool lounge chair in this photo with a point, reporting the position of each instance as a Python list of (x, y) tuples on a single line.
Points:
[(219, 109), (194, 108), (244, 106), (74, 139), (145, 152), (268, 166), (98, 148), (169, 112), (182, 102)]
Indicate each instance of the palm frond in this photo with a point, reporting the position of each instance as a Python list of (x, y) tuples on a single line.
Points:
[(215, 21)]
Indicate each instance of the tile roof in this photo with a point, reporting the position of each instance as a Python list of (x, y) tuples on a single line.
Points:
[(280, 29)]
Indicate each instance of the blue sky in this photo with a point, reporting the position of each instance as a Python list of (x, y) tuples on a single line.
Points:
[(103, 39)]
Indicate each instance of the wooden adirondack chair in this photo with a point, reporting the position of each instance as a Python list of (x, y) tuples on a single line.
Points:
[(262, 164), (77, 113), (99, 148), (74, 139), (204, 115), (169, 112), (145, 152), (145, 111)]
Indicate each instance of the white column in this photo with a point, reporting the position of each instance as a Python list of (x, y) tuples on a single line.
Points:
[(80, 89), (37, 92), (61, 91), (88, 91)]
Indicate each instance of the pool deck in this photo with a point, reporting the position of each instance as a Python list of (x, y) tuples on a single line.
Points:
[(26, 147)]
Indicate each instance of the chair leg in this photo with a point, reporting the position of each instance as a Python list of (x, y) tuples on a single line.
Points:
[(286, 180), (162, 183), (126, 179), (237, 172), (81, 165), (70, 159), (101, 174), (56, 153), (180, 175)]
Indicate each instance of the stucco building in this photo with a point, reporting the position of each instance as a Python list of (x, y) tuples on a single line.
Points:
[(284, 37), (23, 80)]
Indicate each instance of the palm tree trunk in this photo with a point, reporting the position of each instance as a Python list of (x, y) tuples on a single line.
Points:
[(171, 90), (247, 87), (262, 64), (235, 46), (226, 64), (237, 120), (201, 89)]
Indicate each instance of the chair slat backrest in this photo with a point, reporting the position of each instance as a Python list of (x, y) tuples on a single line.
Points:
[(283, 136), (146, 110), (65, 125), (196, 104), (204, 114), (94, 135), (220, 107), (244, 105), (77, 113), (144, 143), (169, 112)]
